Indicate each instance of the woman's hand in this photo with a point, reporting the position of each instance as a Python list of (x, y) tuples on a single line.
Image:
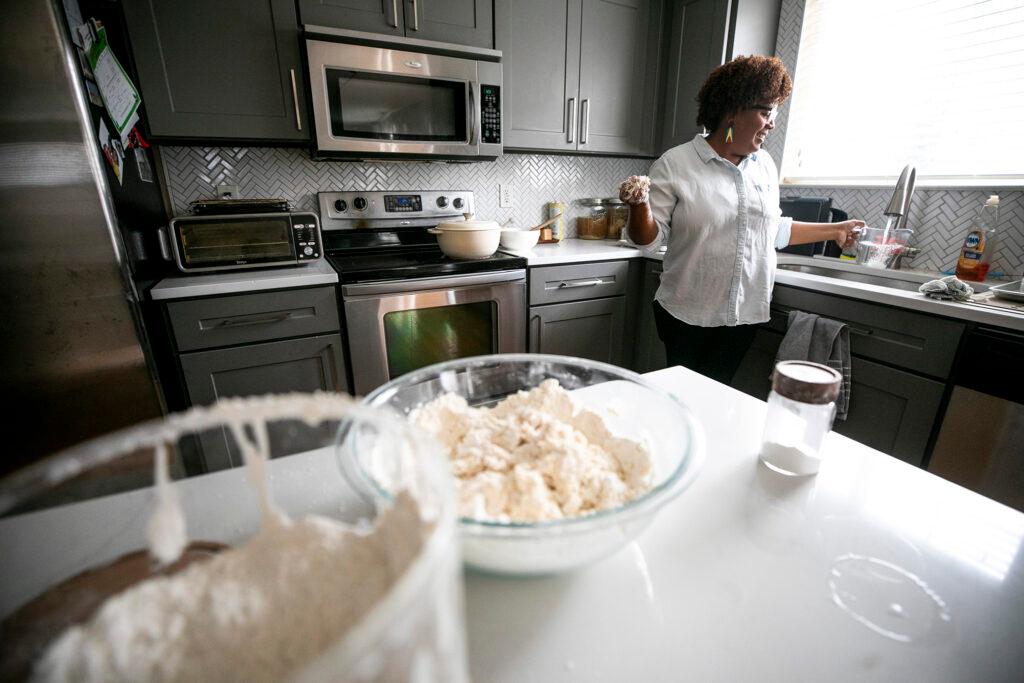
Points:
[(846, 233)]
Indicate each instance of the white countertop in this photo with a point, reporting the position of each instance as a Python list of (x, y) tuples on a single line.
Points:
[(731, 582), (186, 286), (574, 250)]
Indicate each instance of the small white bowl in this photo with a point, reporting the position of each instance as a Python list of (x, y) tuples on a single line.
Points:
[(519, 240)]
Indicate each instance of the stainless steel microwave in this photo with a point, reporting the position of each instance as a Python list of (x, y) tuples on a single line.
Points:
[(237, 241), (403, 101)]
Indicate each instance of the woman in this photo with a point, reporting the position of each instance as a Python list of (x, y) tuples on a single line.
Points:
[(715, 204)]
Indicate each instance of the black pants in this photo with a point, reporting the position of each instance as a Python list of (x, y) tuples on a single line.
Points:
[(714, 352)]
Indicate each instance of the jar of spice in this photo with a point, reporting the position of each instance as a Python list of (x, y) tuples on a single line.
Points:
[(801, 406), (592, 224), (618, 215)]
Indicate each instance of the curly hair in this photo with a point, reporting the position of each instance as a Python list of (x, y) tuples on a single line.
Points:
[(741, 83)]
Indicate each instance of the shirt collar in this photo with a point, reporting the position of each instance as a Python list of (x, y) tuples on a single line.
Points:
[(706, 152)]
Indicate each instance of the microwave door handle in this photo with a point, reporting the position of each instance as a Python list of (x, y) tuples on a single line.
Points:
[(472, 114)]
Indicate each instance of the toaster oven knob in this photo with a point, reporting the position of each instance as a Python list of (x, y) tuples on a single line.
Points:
[(442, 202), (340, 205), (308, 251), (457, 202), (359, 203)]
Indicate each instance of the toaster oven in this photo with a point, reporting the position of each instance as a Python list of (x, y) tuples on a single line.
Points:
[(256, 240)]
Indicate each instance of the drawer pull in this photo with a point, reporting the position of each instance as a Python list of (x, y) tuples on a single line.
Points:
[(255, 320), (860, 330), (580, 283)]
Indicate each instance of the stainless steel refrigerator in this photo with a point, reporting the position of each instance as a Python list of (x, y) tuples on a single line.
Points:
[(76, 362)]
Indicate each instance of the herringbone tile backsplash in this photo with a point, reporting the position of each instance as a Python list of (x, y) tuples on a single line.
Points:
[(194, 173)]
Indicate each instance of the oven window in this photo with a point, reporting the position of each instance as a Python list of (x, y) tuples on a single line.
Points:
[(422, 336), (229, 241), (385, 107)]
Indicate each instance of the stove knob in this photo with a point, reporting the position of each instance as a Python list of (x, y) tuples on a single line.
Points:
[(359, 203), (442, 202), (340, 205), (457, 202)]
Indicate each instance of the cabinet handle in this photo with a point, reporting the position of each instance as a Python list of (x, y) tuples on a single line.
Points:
[(586, 121), (572, 120), (255, 320), (394, 14), (860, 330), (415, 17), (580, 283), (295, 100), (535, 339)]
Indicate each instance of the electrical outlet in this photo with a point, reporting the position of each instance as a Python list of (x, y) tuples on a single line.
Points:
[(227, 192), (505, 195)]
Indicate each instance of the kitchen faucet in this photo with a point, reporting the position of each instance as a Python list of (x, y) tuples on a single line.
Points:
[(899, 205)]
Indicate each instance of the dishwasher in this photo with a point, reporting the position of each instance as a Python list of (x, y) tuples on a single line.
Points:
[(981, 442)]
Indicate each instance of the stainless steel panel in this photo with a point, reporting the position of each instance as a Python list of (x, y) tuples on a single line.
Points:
[(72, 357), (364, 318)]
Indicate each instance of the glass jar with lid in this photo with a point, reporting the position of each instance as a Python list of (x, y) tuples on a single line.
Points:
[(618, 216), (801, 407), (592, 223)]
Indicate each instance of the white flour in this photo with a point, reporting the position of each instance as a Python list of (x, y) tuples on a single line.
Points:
[(533, 457), (256, 612)]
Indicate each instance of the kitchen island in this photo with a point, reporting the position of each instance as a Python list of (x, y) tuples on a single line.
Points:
[(871, 570)]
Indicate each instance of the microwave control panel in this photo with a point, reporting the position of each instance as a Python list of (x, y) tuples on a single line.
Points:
[(307, 236), (490, 114)]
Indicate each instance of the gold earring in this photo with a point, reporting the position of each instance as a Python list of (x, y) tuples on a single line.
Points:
[(728, 134)]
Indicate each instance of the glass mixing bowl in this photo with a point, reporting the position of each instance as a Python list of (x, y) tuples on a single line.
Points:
[(89, 506), (631, 407)]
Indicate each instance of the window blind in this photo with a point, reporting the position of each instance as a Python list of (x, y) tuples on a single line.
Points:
[(883, 83)]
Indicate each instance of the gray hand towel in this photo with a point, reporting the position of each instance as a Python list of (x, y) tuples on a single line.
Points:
[(820, 340)]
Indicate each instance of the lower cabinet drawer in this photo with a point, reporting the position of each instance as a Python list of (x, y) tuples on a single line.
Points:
[(575, 281), (294, 365), (916, 341), (245, 318)]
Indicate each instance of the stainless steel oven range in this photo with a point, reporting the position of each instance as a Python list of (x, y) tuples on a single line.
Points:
[(407, 305)]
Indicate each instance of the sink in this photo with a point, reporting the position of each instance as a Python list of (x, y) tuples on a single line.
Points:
[(905, 281)]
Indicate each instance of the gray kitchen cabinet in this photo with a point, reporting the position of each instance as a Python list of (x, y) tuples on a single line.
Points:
[(462, 22), (649, 351), (228, 70), (295, 365), (580, 75), (580, 310), (257, 343), (585, 329), (701, 35)]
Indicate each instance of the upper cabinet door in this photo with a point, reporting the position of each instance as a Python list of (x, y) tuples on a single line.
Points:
[(618, 75), (223, 70), (463, 22), (378, 16), (540, 45)]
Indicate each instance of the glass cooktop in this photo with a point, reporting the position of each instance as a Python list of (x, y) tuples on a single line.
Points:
[(416, 262)]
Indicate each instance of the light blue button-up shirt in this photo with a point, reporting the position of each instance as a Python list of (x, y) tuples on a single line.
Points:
[(721, 224)]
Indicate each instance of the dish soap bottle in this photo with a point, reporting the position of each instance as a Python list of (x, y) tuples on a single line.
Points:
[(980, 243)]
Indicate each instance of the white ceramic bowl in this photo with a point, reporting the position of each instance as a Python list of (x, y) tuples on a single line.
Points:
[(519, 240), (631, 407)]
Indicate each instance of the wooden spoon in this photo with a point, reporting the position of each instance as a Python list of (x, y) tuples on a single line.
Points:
[(547, 222)]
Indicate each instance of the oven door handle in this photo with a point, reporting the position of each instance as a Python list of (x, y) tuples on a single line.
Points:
[(427, 283)]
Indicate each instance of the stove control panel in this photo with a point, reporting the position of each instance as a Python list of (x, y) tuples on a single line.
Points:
[(365, 209)]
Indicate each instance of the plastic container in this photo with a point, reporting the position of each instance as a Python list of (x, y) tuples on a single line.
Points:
[(593, 223), (85, 507), (878, 248), (980, 244), (801, 407), (631, 407)]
